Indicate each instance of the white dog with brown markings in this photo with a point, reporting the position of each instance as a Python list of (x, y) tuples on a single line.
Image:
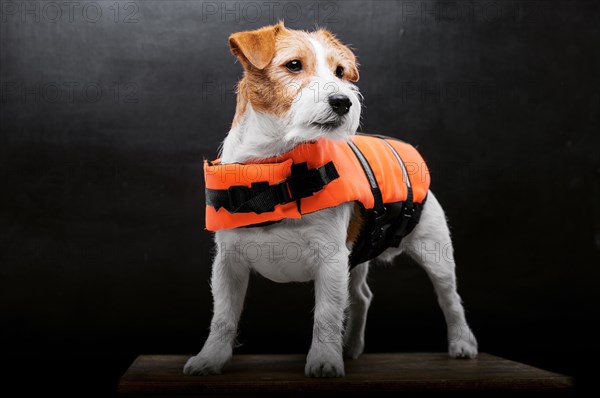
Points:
[(298, 87)]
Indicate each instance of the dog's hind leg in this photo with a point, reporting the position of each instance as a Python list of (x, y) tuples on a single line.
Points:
[(229, 283), (360, 300), (430, 245)]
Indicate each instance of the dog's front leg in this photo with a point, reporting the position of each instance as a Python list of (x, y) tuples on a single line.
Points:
[(229, 282), (331, 295)]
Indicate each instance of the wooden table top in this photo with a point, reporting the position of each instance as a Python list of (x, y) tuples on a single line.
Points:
[(162, 375)]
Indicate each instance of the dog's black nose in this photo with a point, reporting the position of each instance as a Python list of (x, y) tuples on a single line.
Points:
[(340, 103)]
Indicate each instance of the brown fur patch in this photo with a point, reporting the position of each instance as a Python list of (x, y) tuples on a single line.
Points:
[(273, 88), (355, 225)]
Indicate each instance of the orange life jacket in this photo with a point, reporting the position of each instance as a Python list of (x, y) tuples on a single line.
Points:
[(388, 177)]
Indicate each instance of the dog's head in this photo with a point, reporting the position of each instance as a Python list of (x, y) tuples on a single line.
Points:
[(302, 80)]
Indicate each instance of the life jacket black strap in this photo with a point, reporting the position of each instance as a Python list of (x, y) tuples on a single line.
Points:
[(377, 197), (261, 197), (408, 209), (377, 216)]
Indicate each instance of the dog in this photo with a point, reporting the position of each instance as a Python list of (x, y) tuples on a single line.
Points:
[(285, 99)]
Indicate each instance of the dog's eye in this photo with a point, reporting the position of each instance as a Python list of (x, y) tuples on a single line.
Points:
[(339, 72), (294, 66)]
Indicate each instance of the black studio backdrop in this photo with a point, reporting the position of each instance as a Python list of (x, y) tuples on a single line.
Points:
[(108, 109)]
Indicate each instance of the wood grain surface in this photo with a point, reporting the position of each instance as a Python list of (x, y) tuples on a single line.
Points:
[(375, 374)]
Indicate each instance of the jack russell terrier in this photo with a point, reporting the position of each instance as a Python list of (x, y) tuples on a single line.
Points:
[(293, 173)]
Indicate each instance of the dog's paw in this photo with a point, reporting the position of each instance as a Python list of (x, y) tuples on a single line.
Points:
[(324, 363), (463, 348), (206, 364)]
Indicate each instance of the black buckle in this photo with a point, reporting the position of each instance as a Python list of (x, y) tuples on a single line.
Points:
[(377, 232), (284, 192), (238, 194), (408, 211), (297, 182), (300, 187), (305, 182)]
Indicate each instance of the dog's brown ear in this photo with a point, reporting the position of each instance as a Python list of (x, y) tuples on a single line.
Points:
[(256, 47)]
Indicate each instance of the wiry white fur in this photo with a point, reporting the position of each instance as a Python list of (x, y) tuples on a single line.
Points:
[(430, 245), (314, 247), (312, 106), (321, 69)]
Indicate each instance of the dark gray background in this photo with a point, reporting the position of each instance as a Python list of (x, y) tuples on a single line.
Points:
[(105, 120)]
